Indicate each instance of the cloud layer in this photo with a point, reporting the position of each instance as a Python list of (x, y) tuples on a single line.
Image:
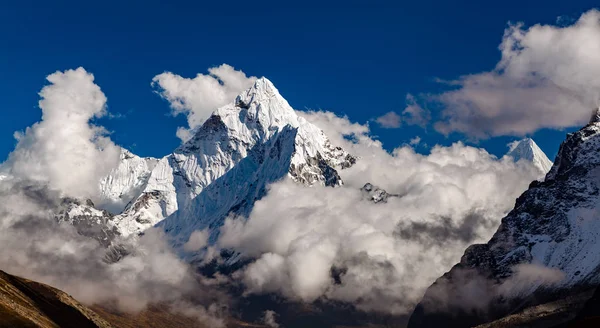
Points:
[(548, 77), (197, 98), (64, 149), (330, 242), (36, 246)]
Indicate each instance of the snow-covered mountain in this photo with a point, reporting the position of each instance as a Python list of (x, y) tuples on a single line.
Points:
[(126, 182), (526, 149), (227, 164), (546, 247)]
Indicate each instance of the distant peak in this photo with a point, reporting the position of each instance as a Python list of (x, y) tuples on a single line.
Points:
[(595, 118), (523, 143), (528, 150)]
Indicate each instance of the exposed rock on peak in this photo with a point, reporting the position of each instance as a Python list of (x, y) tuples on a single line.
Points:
[(376, 194)]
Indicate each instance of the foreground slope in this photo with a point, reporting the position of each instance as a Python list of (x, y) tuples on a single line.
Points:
[(25, 303), (545, 249)]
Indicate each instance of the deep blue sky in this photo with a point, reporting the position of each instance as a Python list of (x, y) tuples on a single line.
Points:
[(358, 58)]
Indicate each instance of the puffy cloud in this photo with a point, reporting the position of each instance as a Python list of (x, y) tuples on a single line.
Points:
[(64, 149), (199, 97), (389, 120), (317, 242), (548, 77)]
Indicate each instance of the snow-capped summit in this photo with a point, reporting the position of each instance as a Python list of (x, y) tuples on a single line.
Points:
[(526, 149), (545, 248), (256, 139)]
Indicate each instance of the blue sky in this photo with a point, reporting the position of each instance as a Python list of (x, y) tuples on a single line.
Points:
[(358, 58)]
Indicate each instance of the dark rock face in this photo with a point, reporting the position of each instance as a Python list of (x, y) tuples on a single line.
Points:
[(376, 194), (552, 226)]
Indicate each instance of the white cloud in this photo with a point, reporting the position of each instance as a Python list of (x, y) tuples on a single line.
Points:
[(64, 149), (199, 97), (385, 254), (197, 240), (548, 77), (415, 141), (389, 120)]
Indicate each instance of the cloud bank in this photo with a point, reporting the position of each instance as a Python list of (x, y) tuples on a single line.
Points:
[(320, 242), (197, 98), (548, 77)]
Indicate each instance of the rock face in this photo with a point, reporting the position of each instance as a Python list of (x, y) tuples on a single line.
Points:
[(545, 248), (375, 194), (526, 149), (227, 164)]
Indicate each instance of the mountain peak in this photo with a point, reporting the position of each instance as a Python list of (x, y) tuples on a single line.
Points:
[(226, 166), (261, 90), (528, 150)]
